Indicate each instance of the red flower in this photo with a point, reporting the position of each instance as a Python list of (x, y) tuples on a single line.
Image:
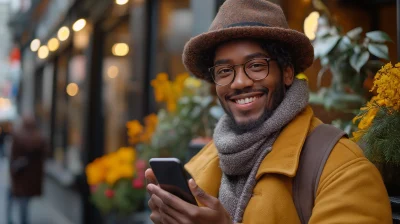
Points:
[(109, 193), (140, 164), (138, 183)]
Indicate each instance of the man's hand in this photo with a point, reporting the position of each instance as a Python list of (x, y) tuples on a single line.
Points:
[(167, 208)]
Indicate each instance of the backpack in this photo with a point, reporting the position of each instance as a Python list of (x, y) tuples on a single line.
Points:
[(316, 149)]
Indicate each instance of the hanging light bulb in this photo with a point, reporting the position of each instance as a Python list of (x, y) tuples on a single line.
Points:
[(120, 49), (79, 25), (43, 52), (63, 33), (35, 44), (121, 2)]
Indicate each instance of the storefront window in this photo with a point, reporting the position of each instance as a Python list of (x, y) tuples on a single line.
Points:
[(60, 109), (47, 95), (76, 92), (118, 86), (175, 29)]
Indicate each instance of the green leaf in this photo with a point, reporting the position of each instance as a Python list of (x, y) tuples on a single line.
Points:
[(322, 32), (379, 50), (344, 44), (216, 112), (354, 34), (357, 61), (378, 36), (323, 46)]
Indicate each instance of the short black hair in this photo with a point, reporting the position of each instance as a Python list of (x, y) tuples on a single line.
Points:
[(278, 51)]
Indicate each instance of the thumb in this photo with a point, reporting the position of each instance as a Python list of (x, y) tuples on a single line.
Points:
[(202, 197)]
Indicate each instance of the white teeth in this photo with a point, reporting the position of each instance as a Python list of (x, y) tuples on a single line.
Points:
[(246, 100)]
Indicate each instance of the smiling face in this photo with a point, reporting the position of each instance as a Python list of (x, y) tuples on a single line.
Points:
[(249, 103)]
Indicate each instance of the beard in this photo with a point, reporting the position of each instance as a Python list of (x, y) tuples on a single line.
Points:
[(278, 96)]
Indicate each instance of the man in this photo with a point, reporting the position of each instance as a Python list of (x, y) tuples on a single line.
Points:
[(246, 174), (28, 152)]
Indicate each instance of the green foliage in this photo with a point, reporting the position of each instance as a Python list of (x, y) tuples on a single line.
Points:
[(346, 126), (196, 116), (382, 139), (348, 57), (99, 198), (124, 199)]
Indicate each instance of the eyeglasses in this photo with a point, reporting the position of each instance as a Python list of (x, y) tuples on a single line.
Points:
[(256, 69)]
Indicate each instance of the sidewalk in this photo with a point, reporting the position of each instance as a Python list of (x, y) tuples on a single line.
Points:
[(40, 212)]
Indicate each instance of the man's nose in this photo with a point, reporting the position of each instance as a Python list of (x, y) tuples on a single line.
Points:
[(241, 80)]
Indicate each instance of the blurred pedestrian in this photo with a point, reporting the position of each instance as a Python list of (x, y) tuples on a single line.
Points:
[(28, 151)]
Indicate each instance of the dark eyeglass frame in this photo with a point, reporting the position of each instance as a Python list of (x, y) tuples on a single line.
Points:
[(244, 69)]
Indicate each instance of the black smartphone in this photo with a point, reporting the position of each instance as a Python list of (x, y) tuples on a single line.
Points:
[(172, 177)]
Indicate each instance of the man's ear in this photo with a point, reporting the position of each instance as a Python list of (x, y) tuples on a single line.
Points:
[(288, 75)]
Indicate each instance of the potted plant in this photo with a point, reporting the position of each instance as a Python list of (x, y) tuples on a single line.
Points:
[(351, 58), (117, 184), (191, 112), (379, 126)]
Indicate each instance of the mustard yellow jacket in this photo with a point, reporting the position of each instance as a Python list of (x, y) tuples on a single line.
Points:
[(350, 190)]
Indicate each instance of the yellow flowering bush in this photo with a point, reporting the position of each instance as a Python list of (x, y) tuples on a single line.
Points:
[(379, 121), (137, 133), (191, 111), (168, 91), (117, 181)]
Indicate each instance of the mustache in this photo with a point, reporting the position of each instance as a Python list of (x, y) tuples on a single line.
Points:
[(244, 91)]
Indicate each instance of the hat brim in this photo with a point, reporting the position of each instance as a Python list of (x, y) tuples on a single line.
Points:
[(198, 50)]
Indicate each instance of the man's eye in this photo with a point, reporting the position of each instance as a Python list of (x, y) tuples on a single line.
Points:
[(224, 71), (257, 66)]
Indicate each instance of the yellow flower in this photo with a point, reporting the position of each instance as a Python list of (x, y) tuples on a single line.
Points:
[(357, 135), (192, 82), (168, 91), (134, 127), (386, 85), (151, 122), (95, 173), (126, 171), (302, 76), (366, 121), (126, 154), (112, 177), (160, 84), (171, 106)]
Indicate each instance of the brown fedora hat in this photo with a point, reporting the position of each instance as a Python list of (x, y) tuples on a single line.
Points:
[(240, 19)]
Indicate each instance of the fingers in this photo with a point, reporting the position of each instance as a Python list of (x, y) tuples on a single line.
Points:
[(155, 213), (150, 177), (203, 197), (166, 213), (171, 200)]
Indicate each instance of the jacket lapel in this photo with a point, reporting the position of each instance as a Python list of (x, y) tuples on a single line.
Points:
[(285, 154), (283, 159)]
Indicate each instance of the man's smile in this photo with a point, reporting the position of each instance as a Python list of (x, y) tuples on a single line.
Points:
[(247, 101)]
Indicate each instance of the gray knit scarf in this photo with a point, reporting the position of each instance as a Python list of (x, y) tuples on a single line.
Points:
[(241, 154)]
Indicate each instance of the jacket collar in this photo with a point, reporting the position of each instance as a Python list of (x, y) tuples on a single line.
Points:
[(285, 154), (283, 159)]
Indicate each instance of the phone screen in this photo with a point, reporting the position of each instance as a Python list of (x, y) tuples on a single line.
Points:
[(171, 177)]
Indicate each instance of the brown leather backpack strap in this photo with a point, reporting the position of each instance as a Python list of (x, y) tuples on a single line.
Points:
[(316, 149)]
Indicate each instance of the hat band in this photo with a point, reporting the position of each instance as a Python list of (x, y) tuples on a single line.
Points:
[(247, 24)]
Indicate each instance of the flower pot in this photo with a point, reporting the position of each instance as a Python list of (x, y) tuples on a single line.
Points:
[(196, 145), (114, 218), (390, 174)]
